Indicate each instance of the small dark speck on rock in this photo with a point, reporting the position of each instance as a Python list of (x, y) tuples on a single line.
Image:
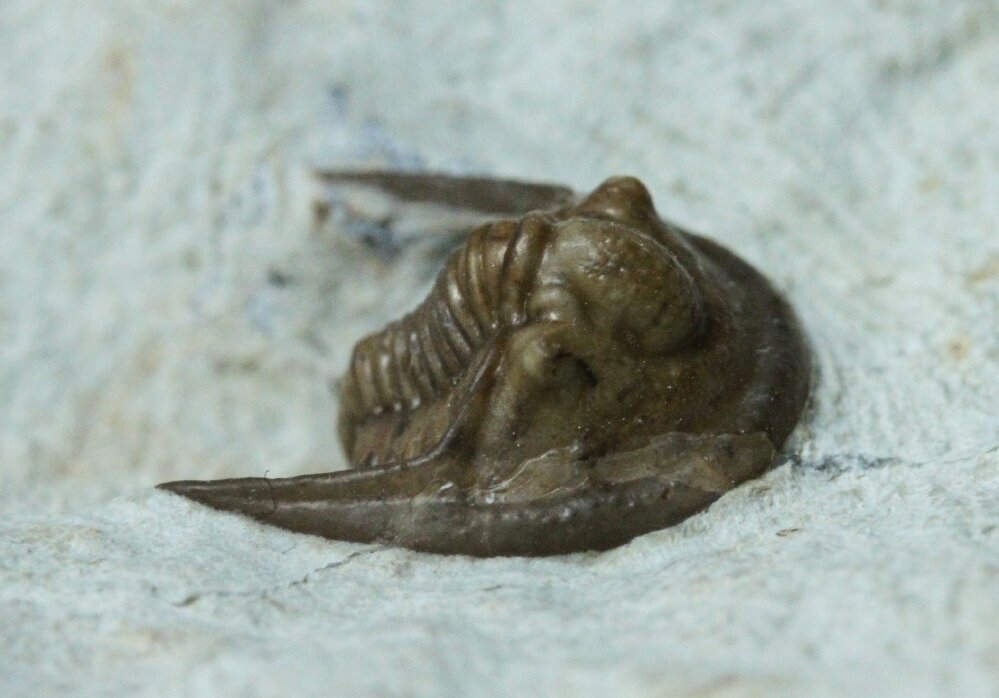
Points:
[(321, 212), (278, 278)]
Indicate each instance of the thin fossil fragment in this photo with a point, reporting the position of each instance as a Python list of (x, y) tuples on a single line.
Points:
[(388, 212), (582, 372)]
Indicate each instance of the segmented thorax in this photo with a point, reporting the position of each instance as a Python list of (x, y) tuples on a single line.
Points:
[(404, 387)]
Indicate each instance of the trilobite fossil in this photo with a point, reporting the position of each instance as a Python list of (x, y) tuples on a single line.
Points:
[(580, 374)]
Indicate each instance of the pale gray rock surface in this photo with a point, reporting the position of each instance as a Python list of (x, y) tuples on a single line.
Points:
[(170, 308)]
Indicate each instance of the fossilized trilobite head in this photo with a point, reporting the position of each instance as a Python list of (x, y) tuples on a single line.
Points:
[(596, 327), (576, 376)]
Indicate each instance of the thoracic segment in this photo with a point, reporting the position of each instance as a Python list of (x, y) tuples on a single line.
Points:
[(418, 358)]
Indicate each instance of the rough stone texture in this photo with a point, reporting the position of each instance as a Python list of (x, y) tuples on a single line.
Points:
[(170, 308)]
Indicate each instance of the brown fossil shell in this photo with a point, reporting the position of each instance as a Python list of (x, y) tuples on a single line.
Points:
[(577, 376)]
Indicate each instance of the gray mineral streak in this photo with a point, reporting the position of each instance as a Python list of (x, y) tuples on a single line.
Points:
[(172, 307)]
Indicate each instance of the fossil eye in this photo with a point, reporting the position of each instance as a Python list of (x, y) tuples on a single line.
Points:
[(623, 199)]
